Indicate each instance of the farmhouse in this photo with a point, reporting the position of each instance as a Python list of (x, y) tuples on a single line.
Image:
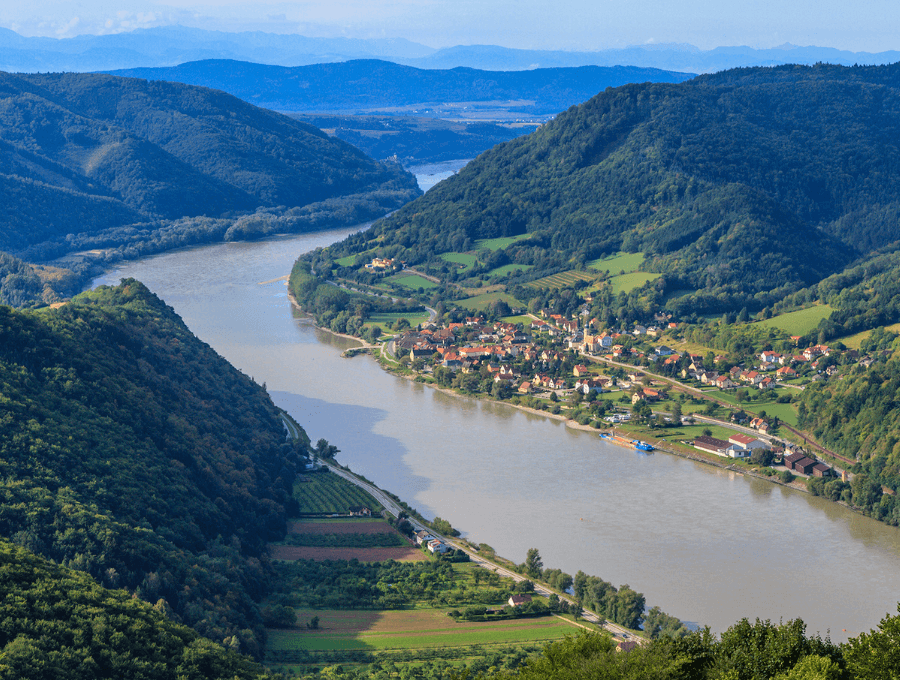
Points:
[(519, 600)]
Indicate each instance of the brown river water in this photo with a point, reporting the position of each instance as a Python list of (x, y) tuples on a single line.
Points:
[(706, 545)]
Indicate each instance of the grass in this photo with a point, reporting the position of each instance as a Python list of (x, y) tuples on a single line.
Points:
[(411, 281), (410, 630), (561, 280), (625, 283), (346, 261), (523, 319), (481, 302), (800, 322), (381, 319), (623, 262), (855, 341), (465, 260), (509, 268), (500, 243), (764, 402)]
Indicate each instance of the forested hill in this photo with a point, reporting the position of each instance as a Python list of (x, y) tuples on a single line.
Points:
[(130, 450), (745, 183), (82, 153), (368, 84)]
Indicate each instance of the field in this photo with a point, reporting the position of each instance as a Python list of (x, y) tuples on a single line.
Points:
[(800, 322), (465, 260), (299, 552), (411, 281), (625, 283), (509, 268), (410, 630), (341, 526), (326, 493), (623, 262), (381, 319), (522, 318), (499, 243), (561, 280), (346, 261), (855, 341), (480, 302), (764, 402)]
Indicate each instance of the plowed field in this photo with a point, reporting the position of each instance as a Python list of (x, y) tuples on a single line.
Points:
[(293, 552)]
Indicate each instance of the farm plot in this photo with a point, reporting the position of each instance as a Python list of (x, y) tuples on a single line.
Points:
[(341, 526), (326, 493), (625, 283), (464, 260), (799, 322), (500, 243), (295, 552), (623, 262), (561, 280), (411, 281), (481, 302), (415, 629), (507, 269)]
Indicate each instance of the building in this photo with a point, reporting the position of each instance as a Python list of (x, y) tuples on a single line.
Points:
[(519, 600)]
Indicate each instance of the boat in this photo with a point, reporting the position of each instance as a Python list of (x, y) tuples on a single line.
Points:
[(625, 441)]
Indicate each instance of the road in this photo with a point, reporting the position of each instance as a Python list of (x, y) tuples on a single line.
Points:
[(395, 509)]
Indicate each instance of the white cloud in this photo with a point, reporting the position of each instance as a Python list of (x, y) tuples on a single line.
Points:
[(68, 29)]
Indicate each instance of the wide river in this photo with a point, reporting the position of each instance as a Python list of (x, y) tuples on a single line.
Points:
[(706, 545)]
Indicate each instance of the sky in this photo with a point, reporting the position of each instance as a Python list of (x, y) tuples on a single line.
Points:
[(870, 26)]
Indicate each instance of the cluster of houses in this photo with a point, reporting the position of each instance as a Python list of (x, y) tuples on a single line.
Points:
[(435, 545), (382, 263), (801, 463)]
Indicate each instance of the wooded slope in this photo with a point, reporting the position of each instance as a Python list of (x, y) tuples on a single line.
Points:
[(83, 152)]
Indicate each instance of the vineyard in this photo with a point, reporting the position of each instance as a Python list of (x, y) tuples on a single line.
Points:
[(561, 280), (342, 540), (324, 493)]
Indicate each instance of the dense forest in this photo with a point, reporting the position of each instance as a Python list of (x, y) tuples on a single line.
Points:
[(368, 84), (84, 153), (131, 451), (740, 187), (60, 624)]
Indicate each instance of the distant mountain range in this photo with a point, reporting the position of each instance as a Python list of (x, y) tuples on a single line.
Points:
[(366, 85), (85, 153), (169, 46)]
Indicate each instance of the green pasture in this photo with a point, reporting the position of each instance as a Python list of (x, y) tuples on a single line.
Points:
[(763, 401), (855, 341), (523, 319), (507, 269), (623, 262), (800, 322), (412, 281), (481, 302), (625, 283), (465, 260), (381, 319), (500, 243)]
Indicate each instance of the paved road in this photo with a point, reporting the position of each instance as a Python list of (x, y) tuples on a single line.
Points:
[(394, 508)]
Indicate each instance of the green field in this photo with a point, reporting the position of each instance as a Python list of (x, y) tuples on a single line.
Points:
[(764, 402), (466, 260), (623, 262), (381, 319), (346, 261), (325, 492), (523, 319), (855, 341), (561, 280), (500, 243), (800, 322), (625, 283), (509, 268), (412, 281), (481, 302), (410, 630)]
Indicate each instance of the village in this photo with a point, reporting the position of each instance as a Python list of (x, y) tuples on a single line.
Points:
[(607, 378)]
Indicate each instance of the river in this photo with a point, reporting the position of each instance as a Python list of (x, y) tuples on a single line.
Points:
[(706, 545)]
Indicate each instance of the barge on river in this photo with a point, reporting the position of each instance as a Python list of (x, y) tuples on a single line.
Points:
[(625, 441)]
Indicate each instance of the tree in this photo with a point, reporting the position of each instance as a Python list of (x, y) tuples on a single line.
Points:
[(326, 450), (876, 655), (533, 563), (676, 413)]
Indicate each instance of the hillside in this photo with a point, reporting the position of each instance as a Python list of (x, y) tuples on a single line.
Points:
[(738, 187), (366, 85), (85, 153), (131, 451)]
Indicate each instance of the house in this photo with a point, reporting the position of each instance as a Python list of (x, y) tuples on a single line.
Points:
[(748, 442), (525, 388), (711, 445), (423, 537), (792, 458), (519, 600), (580, 371), (663, 351), (822, 470), (785, 372), (769, 358), (735, 451), (804, 466), (437, 547), (421, 352), (723, 382)]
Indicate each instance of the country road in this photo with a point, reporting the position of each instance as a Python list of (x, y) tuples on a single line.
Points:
[(395, 509)]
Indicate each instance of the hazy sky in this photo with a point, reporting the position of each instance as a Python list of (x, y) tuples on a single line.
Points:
[(871, 25)]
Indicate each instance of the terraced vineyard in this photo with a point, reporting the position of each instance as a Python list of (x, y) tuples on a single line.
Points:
[(326, 493), (561, 280)]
